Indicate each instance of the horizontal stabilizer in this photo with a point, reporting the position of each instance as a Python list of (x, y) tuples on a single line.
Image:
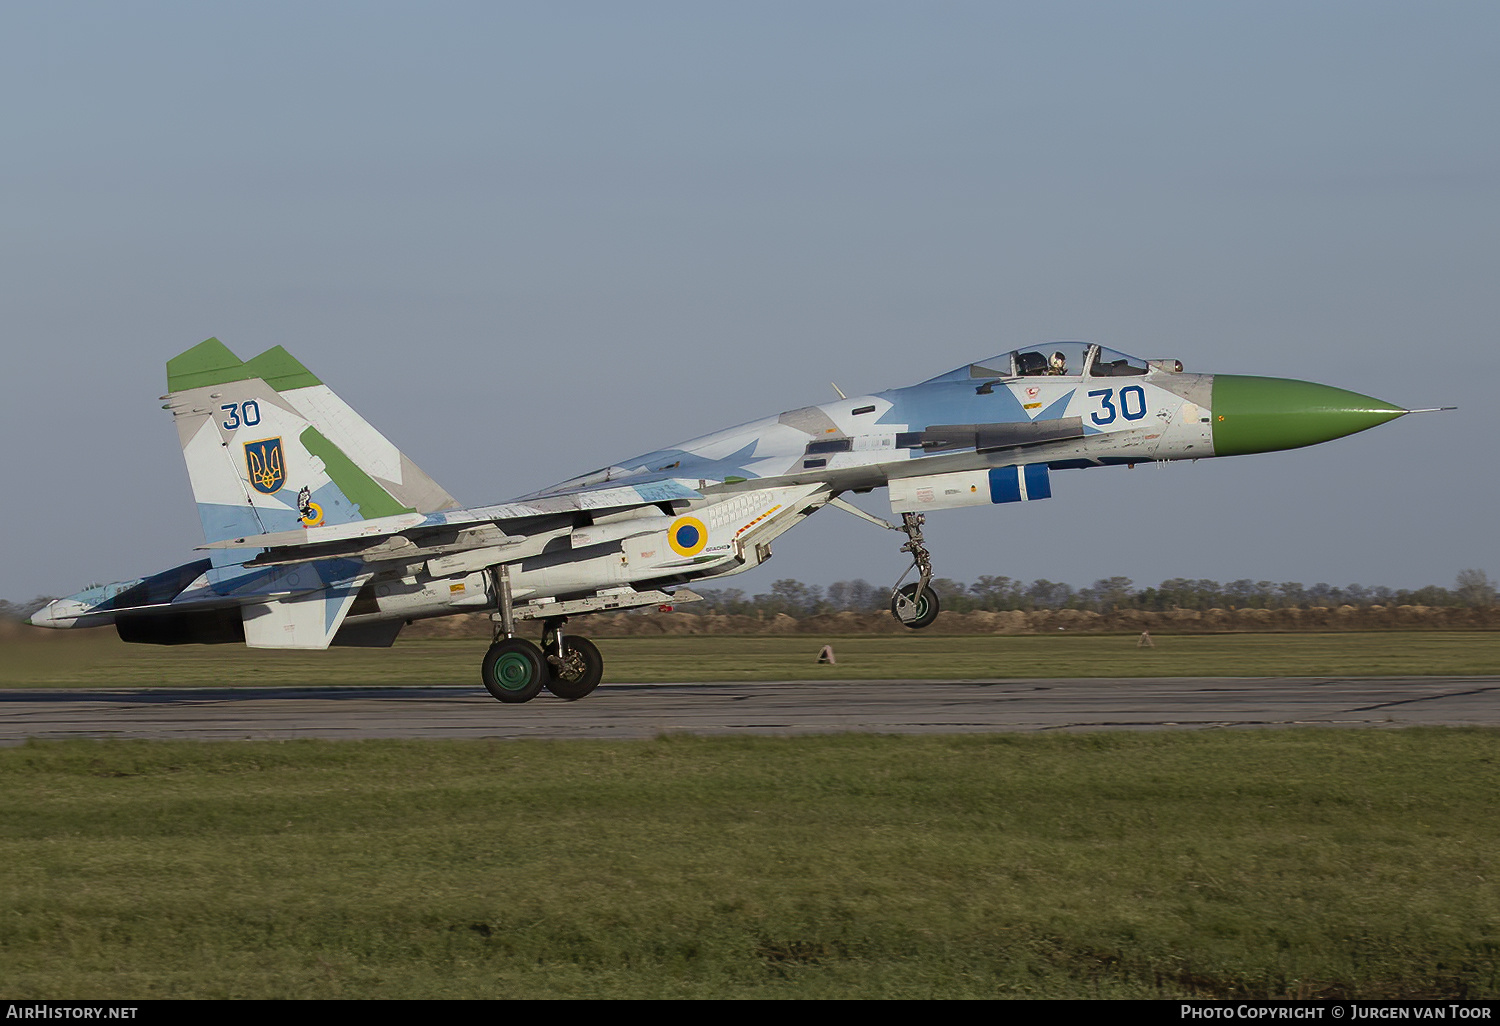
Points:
[(594, 502), (360, 529)]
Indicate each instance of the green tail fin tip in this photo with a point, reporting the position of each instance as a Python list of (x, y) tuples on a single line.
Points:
[(211, 363)]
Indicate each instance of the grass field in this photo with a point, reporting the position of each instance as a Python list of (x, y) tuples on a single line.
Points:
[(1203, 864), (1235, 864), (103, 661)]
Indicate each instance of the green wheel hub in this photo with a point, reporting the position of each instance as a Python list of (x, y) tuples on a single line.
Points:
[(513, 671), (927, 607)]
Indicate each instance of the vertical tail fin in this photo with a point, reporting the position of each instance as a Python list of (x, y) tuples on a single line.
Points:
[(269, 447)]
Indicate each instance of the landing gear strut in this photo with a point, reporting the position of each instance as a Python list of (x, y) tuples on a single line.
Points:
[(515, 670), (915, 605)]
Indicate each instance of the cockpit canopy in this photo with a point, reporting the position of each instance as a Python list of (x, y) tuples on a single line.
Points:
[(1055, 359)]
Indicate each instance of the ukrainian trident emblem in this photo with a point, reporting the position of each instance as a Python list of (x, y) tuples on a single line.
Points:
[(267, 468)]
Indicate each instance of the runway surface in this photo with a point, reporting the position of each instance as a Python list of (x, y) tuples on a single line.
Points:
[(645, 710)]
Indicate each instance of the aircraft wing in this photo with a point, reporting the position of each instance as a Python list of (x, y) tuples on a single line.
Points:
[(408, 535)]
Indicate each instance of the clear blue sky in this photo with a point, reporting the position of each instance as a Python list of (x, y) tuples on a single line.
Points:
[(527, 240)]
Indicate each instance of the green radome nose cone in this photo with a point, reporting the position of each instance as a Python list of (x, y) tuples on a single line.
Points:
[(1265, 414)]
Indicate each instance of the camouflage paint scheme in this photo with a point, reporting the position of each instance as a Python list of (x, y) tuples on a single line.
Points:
[(320, 531)]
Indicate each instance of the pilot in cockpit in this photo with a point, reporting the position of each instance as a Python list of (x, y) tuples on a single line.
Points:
[(1058, 364)]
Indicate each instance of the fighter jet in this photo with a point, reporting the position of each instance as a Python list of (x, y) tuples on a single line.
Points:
[(321, 532)]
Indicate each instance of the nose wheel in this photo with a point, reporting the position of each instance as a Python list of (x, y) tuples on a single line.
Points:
[(915, 606)]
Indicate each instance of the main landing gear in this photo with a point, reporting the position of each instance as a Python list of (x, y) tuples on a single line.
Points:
[(568, 665), (573, 662), (913, 605), (516, 670), (513, 670)]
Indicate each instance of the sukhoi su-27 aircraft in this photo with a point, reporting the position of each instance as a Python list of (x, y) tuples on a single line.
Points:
[(321, 532)]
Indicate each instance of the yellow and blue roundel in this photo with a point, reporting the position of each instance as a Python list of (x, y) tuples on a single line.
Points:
[(687, 536), (314, 515)]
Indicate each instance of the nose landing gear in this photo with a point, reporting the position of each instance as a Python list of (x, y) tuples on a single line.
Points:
[(913, 605)]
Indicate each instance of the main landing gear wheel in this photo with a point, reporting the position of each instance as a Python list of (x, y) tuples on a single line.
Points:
[(514, 671), (912, 612), (577, 671)]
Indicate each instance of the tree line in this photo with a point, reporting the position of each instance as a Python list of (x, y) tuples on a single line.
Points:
[(1473, 588)]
